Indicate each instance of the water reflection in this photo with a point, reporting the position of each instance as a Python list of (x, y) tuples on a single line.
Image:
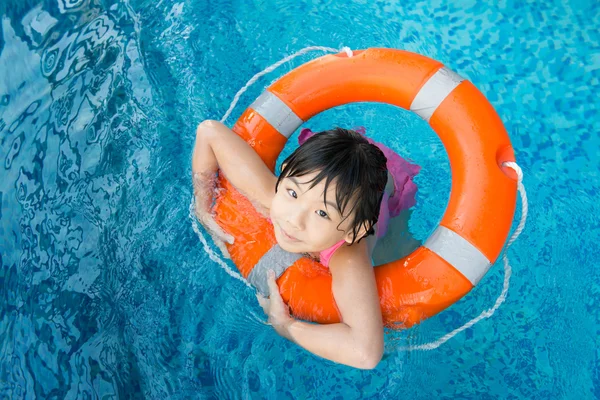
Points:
[(104, 288), (82, 315)]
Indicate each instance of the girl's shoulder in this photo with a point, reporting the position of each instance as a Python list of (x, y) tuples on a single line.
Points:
[(355, 255)]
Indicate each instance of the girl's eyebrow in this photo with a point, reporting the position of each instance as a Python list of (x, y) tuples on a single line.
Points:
[(334, 206), (293, 179)]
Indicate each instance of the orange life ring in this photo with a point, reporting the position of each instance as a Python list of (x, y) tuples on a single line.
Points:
[(482, 202)]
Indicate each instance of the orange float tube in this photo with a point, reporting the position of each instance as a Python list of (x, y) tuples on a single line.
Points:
[(482, 202)]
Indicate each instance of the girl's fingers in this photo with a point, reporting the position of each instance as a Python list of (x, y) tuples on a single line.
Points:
[(273, 287), (264, 303), (219, 243), (221, 234), (215, 230), (218, 231)]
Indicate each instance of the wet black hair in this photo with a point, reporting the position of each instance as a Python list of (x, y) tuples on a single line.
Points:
[(358, 168)]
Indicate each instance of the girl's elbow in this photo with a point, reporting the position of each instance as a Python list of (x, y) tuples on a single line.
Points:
[(206, 127), (370, 358)]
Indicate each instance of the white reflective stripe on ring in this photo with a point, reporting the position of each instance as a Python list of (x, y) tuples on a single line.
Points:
[(277, 113), (459, 253), (276, 259), (434, 91)]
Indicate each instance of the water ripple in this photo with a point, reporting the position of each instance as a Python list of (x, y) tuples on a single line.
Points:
[(106, 292)]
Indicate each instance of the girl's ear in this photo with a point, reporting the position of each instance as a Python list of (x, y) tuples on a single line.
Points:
[(362, 232), (282, 167)]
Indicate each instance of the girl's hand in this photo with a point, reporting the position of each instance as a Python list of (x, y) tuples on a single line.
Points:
[(218, 235), (219, 149), (274, 307), (204, 192)]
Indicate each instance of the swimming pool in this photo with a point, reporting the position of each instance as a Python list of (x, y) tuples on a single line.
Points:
[(107, 291)]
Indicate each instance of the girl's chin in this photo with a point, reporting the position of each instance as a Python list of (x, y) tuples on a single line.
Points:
[(289, 247)]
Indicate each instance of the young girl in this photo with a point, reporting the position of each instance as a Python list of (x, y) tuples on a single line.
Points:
[(327, 198)]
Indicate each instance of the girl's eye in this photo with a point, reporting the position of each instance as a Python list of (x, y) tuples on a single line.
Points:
[(292, 193), (322, 214)]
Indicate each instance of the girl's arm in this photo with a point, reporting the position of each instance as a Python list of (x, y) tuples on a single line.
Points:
[(218, 147), (358, 340)]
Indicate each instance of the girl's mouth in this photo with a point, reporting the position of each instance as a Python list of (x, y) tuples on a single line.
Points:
[(289, 238)]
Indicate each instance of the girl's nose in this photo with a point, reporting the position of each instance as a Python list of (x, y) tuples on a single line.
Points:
[(296, 220)]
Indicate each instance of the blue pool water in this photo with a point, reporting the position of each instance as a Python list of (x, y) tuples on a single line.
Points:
[(105, 289)]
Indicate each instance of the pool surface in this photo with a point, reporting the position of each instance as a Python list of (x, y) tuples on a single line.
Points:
[(107, 292)]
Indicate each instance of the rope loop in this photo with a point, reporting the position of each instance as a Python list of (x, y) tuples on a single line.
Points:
[(273, 67), (507, 270)]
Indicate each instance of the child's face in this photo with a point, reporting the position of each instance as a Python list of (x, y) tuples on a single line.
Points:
[(303, 223)]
